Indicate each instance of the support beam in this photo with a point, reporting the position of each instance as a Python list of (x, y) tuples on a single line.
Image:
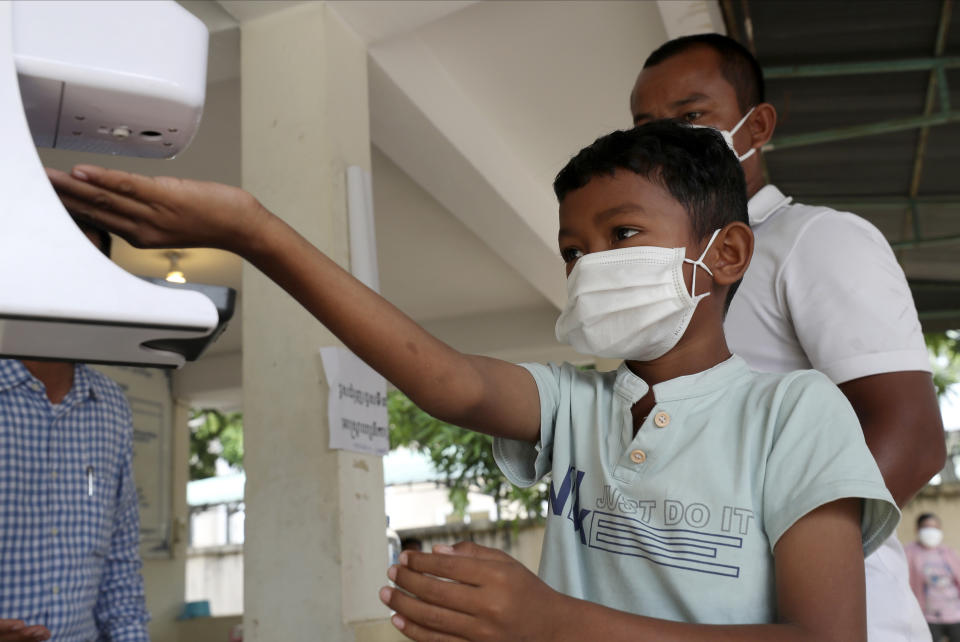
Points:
[(689, 17), (470, 169), (915, 223), (936, 65), (936, 76), (517, 335), (929, 242), (944, 89), (379, 20), (933, 315), (858, 131), (857, 203), (861, 68)]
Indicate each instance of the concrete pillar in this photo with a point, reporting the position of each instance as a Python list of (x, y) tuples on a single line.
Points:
[(315, 550)]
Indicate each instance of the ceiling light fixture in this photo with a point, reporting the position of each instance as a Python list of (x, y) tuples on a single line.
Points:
[(175, 274)]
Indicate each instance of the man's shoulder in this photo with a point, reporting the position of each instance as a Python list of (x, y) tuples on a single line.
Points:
[(12, 372), (820, 237), (795, 219)]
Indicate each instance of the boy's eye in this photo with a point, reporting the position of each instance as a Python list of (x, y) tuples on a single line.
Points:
[(692, 116), (623, 233), (570, 254)]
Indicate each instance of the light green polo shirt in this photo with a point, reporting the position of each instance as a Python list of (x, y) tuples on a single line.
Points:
[(680, 521)]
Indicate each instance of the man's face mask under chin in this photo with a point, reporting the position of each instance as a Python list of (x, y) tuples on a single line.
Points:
[(630, 303)]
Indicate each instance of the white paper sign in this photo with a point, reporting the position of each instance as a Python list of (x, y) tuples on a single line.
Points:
[(357, 406)]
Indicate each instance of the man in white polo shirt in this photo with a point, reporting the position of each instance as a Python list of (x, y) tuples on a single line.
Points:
[(823, 291)]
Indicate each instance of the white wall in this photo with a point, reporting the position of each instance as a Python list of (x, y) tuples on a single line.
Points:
[(427, 504), (216, 574)]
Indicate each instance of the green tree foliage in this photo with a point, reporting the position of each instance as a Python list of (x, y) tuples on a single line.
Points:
[(214, 435), (463, 457), (944, 350)]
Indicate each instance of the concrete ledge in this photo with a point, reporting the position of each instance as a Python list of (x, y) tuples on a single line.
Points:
[(376, 631), (207, 629)]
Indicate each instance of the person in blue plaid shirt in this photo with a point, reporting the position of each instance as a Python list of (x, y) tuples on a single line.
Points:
[(69, 521)]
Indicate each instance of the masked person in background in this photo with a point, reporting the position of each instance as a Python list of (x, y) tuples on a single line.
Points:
[(935, 579)]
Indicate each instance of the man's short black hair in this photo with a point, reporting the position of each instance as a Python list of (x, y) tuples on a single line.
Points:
[(693, 164), (737, 64), (924, 517)]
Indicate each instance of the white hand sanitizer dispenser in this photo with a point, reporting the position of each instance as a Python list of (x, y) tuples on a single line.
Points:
[(117, 77)]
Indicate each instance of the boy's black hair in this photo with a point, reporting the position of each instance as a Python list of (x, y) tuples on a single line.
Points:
[(737, 64), (414, 543), (106, 241), (925, 516), (693, 164)]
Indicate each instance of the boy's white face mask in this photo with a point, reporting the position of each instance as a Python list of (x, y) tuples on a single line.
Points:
[(930, 537), (630, 303), (728, 136)]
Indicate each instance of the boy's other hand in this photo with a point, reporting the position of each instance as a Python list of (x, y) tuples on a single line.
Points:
[(18, 631), (154, 212), (491, 597)]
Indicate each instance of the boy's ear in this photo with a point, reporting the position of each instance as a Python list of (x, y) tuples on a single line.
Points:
[(734, 247)]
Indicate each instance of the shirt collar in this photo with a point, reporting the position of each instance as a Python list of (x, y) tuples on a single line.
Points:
[(84, 384), (13, 373), (765, 202), (631, 387)]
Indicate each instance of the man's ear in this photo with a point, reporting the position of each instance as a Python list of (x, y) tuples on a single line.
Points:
[(763, 121), (734, 247)]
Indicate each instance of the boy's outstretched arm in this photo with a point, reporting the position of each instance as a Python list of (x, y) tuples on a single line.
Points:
[(488, 395), (819, 583)]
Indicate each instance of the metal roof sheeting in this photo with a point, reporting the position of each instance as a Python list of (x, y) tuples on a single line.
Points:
[(871, 175)]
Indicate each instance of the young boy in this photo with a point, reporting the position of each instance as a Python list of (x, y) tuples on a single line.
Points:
[(691, 498)]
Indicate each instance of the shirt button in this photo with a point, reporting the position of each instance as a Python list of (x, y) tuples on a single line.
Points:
[(638, 456), (54, 473), (56, 589), (661, 419), (54, 531)]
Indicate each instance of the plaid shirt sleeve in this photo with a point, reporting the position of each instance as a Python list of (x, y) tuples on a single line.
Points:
[(121, 611)]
